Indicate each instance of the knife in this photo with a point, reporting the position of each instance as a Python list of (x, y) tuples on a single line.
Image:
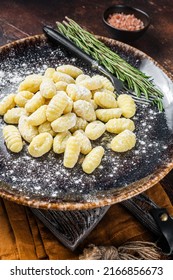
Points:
[(155, 218)]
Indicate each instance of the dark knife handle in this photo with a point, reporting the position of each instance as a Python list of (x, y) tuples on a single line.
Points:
[(62, 40), (154, 218)]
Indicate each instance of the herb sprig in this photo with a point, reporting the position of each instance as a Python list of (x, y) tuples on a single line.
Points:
[(132, 77)]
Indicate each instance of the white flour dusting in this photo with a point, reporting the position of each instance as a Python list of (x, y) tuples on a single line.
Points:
[(46, 177)]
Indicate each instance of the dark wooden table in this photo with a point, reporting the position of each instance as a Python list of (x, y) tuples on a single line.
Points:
[(20, 18)]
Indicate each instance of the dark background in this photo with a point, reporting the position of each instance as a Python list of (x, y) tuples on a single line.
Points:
[(20, 18)]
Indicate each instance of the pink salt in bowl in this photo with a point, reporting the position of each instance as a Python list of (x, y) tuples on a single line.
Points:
[(125, 23)]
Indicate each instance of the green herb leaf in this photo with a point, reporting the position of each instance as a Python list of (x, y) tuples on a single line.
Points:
[(132, 77)]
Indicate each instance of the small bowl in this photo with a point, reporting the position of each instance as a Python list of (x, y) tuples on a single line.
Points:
[(126, 35)]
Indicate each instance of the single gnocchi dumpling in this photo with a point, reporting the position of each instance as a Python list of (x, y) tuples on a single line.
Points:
[(64, 122), (112, 93), (70, 70), (85, 110), (104, 90), (12, 138), (80, 125), (81, 78), (95, 129), (40, 145), (61, 86), (56, 106), (84, 142), (48, 88), (38, 117), (22, 97), (46, 127), (106, 83), (31, 83), (27, 131), (13, 115), (60, 141), (123, 142), (118, 125), (105, 100), (77, 92), (127, 104), (72, 152), (69, 106), (91, 83), (7, 103), (58, 76), (105, 115), (35, 102), (93, 159), (49, 72)]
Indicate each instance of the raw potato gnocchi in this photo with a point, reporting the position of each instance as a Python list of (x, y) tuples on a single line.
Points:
[(64, 123), (56, 106), (123, 142), (38, 117), (31, 83), (22, 97), (118, 125), (46, 127), (40, 145), (7, 103), (60, 141), (48, 88), (69, 106), (93, 160), (49, 72), (127, 104), (77, 92), (95, 129), (107, 114), (70, 70), (105, 100), (81, 78), (13, 115), (80, 125), (58, 76), (35, 102), (66, 110), (61, 86), (27, 131), (72, 151), (85, 110), (106, 83), (12, 138), (92, 83), (84, 142)]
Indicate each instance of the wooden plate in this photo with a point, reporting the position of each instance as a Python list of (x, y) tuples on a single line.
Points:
[(44, 182)]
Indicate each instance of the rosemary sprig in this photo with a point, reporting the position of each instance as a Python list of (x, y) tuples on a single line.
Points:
[(132, 77)]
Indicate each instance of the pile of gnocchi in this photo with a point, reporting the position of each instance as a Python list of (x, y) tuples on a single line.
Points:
[(66, 110)]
